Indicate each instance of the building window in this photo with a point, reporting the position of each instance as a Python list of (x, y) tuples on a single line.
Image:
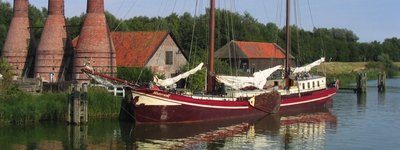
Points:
[(253, 70), (168, 58)]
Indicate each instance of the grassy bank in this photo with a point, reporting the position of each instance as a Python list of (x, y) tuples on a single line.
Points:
[(18, 107), (347, 79), (347, 72)]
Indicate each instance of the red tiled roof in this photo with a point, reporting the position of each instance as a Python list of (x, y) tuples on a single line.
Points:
[(260, 50), (134, 49)]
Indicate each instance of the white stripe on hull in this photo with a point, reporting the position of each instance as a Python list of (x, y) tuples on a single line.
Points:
[(308, 101), (155, 99), (150, 101)]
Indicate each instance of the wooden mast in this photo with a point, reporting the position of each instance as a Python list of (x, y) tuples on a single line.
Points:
[(288, 46), (211, 72)]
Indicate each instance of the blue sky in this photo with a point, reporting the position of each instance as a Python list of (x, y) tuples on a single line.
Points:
[(369, 19)]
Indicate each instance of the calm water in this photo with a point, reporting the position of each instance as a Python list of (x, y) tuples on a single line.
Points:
[(350, 121)]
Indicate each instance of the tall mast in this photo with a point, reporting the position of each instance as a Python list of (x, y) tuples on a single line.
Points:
[(287, 66), (211, 72)]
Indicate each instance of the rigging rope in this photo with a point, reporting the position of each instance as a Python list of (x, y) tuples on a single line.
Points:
[(298, 24), (126, 14), (191, 41), (322, 40)]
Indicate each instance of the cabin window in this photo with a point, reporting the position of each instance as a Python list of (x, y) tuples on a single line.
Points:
[(168, 58), (318, 83), (308, 85), (304, 86), (313, 84)]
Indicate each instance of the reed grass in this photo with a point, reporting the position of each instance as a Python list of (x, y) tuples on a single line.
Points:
[(102, 104), (17, 107)]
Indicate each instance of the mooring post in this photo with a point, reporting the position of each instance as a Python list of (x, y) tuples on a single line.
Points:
[(361, 83), (126, 112), (382, 82), (70, 98), (364, 82), (75, 109), (84, 104), (78, 105)]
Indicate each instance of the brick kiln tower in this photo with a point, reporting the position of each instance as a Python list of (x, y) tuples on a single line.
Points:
[(94, 43), (50, 52), (16, 46)]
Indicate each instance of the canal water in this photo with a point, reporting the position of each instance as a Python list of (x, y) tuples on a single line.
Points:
[(349, 121)]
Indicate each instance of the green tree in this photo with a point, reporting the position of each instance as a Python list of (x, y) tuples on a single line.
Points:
[(5, 20), (388, 64), (391, 46), (37, 19), (74, 25)]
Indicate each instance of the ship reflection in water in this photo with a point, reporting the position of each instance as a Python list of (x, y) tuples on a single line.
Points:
[(295, 130), (302, 130)]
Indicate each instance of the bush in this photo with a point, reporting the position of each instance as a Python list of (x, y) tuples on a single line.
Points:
[(384, 63), (135, 75), (5, 70)]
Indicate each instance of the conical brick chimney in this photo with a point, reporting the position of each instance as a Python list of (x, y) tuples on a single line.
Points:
[(16, 46), (94, 43), (50, 52)]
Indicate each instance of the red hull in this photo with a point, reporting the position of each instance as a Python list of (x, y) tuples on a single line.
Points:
[(308, 100), (179, 108), (154, 106)]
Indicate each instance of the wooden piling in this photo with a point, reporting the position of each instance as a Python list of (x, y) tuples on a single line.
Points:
[(84, 105), (126, 112), (382, 81), (77, 105), (361, 83)]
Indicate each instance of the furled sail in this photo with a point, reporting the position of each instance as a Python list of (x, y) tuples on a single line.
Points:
[(100, 80), (170, 81), (258, 80), (236, 82), (308, 67)]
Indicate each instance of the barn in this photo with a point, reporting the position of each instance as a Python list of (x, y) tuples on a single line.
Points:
[(252, 56)]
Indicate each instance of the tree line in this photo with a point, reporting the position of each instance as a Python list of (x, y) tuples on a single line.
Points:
[(191, 33)]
